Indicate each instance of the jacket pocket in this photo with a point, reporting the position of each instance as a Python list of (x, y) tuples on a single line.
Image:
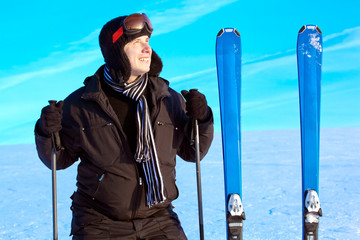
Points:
[(171, 133), (101, 143), (167, 142), (116, 195)]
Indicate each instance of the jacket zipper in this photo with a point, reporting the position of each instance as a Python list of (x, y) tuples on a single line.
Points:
[(138, 191)]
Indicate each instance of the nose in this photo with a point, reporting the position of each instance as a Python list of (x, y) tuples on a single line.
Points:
[(146, 47)]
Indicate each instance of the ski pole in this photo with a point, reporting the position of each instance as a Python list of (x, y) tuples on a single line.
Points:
[(54, 195), (55, 138), (198, 177)]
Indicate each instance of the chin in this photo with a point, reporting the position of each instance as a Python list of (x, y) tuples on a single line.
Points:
[(146, 70)]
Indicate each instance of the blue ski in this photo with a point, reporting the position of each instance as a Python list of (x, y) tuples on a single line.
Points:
[(228, 61), (309, 57)]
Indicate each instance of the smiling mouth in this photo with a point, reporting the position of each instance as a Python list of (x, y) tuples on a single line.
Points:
[(144, 59)]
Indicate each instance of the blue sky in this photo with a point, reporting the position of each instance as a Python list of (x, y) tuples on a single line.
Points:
[(48, 48)]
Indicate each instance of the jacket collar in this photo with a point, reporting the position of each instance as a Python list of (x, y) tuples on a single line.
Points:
[(93, 86), (159, 87)]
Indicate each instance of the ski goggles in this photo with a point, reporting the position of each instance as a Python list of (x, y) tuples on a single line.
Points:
[(133, 24)]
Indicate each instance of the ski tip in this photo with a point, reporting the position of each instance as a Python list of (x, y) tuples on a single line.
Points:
[(312, 27), (223, 30)]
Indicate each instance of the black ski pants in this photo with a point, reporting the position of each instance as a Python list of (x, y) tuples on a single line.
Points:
[(88, 224)]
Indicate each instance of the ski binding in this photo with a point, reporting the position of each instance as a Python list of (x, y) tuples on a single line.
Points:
[(235, 216), (312, 212)]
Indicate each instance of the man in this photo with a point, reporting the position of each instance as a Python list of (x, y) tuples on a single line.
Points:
[(127, 126)]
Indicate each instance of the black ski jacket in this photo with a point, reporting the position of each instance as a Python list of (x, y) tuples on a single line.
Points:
[(109, 179)]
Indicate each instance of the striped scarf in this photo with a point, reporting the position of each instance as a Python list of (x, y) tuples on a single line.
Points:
[(145, 149)]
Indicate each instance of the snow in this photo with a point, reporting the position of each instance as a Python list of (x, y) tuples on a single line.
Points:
[(271, 189)]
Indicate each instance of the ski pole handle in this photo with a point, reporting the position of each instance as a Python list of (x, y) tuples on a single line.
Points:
[(55, 136)]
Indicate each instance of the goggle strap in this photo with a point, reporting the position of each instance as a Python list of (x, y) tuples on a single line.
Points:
[(117, 34)]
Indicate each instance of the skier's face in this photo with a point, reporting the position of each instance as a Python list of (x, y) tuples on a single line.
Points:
[(139, 53)]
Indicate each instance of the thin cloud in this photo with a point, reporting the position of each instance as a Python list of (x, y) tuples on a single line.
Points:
[(187, 13), (270, 102), (344, 32), (89, 39), (267, 57), (192, 75), (350, 43), (69, 62)]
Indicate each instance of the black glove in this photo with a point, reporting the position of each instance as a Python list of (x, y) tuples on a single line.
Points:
[(50, 119), (196, 104)]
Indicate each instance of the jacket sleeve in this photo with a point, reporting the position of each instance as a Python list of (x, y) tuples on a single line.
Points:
[(64, 157), (206, 134)]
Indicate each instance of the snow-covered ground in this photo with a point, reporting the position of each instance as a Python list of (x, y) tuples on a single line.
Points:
[(271, 189)]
